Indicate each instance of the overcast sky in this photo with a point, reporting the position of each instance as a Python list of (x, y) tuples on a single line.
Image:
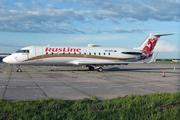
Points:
[(110, 23)]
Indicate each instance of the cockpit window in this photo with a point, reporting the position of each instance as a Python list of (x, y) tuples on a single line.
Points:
[(22, 51), (19, 51), (25, 51)]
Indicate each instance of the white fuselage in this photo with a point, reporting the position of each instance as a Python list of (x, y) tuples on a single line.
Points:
[(42, 55), (91, 56)]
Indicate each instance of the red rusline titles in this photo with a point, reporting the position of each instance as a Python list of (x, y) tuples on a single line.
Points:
[(67, 49)]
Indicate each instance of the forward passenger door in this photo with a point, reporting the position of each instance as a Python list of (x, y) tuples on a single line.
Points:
[(38, 53)]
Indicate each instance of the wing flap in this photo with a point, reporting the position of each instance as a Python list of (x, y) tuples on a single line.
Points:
[(92, 62)]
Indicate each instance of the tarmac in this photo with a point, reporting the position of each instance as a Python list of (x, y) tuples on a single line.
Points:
[(71, 83)]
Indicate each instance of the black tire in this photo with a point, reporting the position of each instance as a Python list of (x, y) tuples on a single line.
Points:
[(91, 68), (100, 69), (19, 70)]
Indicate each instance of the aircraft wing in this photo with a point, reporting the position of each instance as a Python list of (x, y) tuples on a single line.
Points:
[(94, 62), (110, 62)]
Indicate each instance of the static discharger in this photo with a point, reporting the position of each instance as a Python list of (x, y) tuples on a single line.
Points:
[(163, 74)]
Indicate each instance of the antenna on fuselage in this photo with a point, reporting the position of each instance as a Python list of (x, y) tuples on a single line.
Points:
[(48, 45)]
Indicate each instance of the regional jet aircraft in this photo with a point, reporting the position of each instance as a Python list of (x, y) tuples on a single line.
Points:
[(175, 60), (92, 56)]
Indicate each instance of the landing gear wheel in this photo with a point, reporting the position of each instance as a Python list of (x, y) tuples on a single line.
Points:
[(100, 69), (91, 68), (19, 70)]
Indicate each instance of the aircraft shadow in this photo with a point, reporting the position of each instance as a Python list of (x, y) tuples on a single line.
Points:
[(151, 70)]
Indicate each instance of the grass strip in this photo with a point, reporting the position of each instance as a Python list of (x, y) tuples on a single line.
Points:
[(165, 63), (151, 106)]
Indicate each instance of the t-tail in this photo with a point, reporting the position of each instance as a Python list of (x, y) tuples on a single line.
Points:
[(149, 44)]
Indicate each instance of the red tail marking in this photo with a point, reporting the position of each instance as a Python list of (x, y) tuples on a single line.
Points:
[(149, 46)]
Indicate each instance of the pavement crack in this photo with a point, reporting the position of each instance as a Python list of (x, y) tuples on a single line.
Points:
[(68, 85), (36, 83), (7, 82)]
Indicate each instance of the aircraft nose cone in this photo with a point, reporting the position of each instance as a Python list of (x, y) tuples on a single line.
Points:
[(4, 60), (9, 60)]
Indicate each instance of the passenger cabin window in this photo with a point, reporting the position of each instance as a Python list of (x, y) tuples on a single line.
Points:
[(94, 53), (104, 53), (46, 53), (99, 53), (89, 53), (52, 53), (108, 53), (74, 53), (69, 53), (22, 51), (79, 53), (63, 53)]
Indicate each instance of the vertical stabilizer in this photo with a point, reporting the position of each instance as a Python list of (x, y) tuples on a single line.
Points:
[(149, 44)]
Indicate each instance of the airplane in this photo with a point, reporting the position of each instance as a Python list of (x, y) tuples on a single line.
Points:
[(175, 60), (92, 56)]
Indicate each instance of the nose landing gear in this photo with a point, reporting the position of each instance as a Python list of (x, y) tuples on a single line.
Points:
[(18, 68)]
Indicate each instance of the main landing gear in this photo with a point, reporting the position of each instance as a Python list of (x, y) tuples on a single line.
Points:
[(91, 68), (18, 68), (100, 69)]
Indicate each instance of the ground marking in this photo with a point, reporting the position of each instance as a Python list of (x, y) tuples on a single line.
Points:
[(139, 85), (113, 86), (33, 87), (161, 84), (90, 87), (61, 87)]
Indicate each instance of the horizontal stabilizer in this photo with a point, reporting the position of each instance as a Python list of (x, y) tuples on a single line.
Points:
[(162, 34)]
